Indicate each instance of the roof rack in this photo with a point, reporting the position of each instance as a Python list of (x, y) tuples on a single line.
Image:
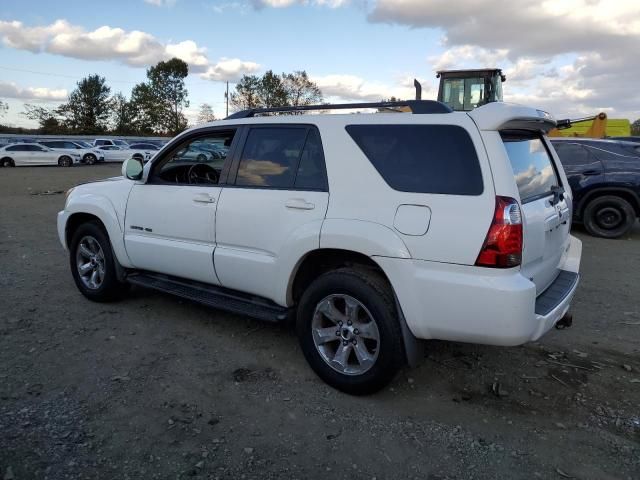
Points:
[(416, 107)]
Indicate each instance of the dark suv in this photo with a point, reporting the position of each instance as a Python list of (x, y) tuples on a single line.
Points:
[(605, 180)]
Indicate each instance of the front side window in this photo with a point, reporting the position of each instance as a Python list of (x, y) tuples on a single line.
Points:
[(422, 158), (196, 161), (532, 165), (270, 157)]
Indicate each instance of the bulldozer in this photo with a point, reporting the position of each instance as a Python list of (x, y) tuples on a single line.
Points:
[(464, 90)]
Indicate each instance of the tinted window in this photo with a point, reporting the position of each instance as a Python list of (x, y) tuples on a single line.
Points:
[(422, 158), (16, 148), (270, 157), (532, 165), (572, 154), (311, 172)]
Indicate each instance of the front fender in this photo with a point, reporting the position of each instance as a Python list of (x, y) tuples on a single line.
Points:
[(102, 208)]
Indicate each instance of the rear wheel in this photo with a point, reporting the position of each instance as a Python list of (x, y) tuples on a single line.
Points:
[(7, 162), (609, 217), (349, 332), (90, 159), (93, 264), (65, 161)]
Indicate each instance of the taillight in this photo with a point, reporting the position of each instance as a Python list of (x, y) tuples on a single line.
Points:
[(503, 246)]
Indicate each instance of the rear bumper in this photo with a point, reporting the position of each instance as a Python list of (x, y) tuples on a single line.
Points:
[(477, 305)]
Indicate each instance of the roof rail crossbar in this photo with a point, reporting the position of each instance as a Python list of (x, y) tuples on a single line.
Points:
[(416, 107)]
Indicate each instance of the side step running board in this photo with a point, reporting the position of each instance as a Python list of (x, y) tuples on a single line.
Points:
[(212, 296)]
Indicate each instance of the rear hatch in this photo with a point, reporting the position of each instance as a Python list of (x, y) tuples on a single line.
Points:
[(546, 207)]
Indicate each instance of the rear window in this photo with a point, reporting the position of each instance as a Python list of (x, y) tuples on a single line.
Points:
[(532, 165), (422, 158)]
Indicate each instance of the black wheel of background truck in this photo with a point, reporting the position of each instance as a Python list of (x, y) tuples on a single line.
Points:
[(90, 159), (348, 329), (609, 217), (93, 264), (65, 161), (7, 162)]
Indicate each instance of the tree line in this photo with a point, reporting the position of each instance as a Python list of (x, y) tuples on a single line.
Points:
[(157, 105)]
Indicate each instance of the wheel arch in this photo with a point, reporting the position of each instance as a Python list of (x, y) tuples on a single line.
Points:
[(622, 192), (322, 260), (96, 208)]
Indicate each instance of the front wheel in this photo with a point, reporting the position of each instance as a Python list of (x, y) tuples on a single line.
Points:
[(7, 162), (93, 264), (90, 159), (65, 161), (348, 329), (609, 217)]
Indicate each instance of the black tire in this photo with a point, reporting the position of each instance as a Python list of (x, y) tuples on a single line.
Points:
[(609, 217), (371, 290), (110, 288), (65, 161), (90, 159), (201, 158), (7, 162)]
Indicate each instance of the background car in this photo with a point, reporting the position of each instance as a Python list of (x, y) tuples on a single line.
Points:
[(99, 142), (25, 154), (113, 153), (144, 146), (604, 176), (88, 155)]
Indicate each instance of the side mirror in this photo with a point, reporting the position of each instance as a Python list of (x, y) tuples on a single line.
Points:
[(132, 168)]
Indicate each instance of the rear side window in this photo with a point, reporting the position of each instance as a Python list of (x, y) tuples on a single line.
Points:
[(572, 154), (532, 166), (422, 158), (282, 157)]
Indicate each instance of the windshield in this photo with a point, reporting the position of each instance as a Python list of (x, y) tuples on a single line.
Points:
[(121, 143), (464, 94)]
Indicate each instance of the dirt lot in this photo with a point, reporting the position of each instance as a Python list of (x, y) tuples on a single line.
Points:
[(155, 387)]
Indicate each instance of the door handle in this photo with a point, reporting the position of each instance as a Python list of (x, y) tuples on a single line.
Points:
[(204, 198), (591, 172), (299, 204)]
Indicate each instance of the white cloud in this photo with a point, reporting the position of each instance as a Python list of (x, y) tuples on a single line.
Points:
[(161, 3), (134, 48), (258, 4), (229, 69), (353, 88), (11, 90)]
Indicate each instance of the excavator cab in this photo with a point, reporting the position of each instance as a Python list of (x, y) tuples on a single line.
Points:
[(464, 90)]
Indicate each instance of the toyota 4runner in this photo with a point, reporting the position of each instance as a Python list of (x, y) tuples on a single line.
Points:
[(371, 232)]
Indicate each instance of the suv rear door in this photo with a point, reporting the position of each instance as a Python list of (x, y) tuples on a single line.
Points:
[(272, 209), (546, 209)]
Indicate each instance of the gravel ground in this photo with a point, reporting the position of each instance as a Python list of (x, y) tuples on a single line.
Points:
[(156, 387)]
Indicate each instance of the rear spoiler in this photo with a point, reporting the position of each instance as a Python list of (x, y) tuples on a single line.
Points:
[(498, 116)]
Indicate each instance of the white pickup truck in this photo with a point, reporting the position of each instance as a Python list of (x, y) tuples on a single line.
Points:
[(371, 232)]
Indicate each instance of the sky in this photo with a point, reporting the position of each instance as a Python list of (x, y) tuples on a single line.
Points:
[(573, 58)]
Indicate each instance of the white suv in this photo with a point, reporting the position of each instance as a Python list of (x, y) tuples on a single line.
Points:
[(371, 231)]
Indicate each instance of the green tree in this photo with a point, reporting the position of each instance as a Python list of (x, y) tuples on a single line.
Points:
[(272, 90), (122, 115), (49, 119), (300, 89), (246, 94), (3, 108), (160, 101), (635, 128), (205, 114), (89, 106)]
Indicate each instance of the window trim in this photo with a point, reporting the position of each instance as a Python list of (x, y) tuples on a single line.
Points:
[(160, 160), (233, 173), (531, 135)]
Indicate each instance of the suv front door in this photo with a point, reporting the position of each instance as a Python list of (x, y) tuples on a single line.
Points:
[(170, 219), (272, 209)]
